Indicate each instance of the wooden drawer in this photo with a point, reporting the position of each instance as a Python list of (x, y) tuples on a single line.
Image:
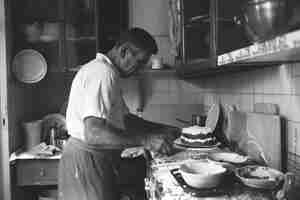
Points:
[(37, 172)]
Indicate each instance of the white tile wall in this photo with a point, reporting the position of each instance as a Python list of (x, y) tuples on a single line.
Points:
[(278, 84)]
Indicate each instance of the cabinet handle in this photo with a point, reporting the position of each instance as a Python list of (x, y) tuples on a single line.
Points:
[(42, 172)]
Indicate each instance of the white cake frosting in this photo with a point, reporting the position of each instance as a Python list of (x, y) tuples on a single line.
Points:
[(196, 130)]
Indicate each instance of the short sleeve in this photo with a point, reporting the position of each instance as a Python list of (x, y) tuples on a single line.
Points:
[(99, 96)]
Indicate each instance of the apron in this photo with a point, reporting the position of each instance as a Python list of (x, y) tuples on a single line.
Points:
[(90, 172)]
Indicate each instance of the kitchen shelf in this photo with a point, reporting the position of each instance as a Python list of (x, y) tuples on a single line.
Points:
[(282, 49), (87, 38)]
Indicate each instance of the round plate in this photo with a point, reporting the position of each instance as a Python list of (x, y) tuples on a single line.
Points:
[(259, 176), (29, 66), (228, 157)]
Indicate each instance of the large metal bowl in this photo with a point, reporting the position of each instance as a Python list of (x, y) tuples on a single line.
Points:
[(264, 19)]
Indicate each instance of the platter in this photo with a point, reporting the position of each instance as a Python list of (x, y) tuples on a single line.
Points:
[(229, 157), (29, 66)]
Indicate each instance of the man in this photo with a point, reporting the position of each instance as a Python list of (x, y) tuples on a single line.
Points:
[(101, 126)]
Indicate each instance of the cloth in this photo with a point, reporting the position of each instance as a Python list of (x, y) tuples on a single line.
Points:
[(88, 172), (95, 91)]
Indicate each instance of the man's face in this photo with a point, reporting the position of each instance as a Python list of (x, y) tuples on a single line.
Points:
[(132, 60)]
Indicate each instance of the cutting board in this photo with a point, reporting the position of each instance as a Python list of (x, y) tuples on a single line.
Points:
[(257, 135)]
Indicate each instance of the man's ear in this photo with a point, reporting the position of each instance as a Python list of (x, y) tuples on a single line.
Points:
[(124, 49)]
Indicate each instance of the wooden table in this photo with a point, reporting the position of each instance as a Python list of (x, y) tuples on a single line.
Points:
[(161, 184)]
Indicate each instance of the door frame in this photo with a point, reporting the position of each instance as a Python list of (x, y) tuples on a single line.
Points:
[(5, 189)]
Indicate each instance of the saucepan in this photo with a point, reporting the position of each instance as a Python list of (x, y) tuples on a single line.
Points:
[(263, 19)]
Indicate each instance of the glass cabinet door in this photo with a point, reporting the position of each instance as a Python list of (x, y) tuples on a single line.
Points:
[(38, 25), (196, 30), (80, 32), (230, 34)]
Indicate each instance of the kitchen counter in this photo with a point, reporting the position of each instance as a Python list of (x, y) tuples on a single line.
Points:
[(163, 182)]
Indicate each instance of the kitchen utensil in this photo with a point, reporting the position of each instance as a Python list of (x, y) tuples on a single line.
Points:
[(56, 122), (259, 176), (230, 157), (29, 66), (202, 174), (263, 19), (201, 192)]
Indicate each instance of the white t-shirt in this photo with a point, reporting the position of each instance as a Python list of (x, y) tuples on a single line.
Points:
[(96, 92)]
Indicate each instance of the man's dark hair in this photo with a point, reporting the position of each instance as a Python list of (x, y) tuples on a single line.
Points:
[(140, 38)]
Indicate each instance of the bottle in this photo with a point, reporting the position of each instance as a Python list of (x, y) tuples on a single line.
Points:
[(52, 136)]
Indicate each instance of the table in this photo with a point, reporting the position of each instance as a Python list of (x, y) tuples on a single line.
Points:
[(162, 185)]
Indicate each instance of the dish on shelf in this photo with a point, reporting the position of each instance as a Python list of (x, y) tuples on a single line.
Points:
[(261, 177), (29, 66)]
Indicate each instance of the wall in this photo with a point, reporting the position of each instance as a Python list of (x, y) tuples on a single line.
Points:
[(153, 17)]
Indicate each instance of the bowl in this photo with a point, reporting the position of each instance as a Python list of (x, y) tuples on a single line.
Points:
[(202, 174), (261, 177), (264, 19)]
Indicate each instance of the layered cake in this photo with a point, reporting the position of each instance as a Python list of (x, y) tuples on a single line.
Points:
[(198, 136)]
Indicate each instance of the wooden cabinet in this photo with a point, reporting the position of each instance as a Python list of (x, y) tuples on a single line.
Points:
[(68, 33)]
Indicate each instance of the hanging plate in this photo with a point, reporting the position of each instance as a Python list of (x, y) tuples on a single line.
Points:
[(29, 66)]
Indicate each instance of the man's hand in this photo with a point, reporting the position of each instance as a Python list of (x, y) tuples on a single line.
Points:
[(159, 143), (133, 152), (172, 132)]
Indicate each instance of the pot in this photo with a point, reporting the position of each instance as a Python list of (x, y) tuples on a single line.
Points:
[(263, 19)]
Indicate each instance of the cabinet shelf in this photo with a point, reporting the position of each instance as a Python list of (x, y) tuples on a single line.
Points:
[(78, 39), (281, 49)]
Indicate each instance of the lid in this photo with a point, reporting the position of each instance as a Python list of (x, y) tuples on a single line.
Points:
[(29, 66)]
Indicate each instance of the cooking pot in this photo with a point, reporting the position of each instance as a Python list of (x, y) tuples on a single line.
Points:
[(263, 19)]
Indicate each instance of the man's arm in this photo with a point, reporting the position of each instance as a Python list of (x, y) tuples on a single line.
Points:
[(138, 125), (100, 131)]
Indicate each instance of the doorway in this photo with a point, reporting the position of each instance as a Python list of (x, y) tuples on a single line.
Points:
[(5, 193)]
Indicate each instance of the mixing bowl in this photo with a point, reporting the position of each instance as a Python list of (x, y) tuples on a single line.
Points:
[(202, 174), (263, 19)]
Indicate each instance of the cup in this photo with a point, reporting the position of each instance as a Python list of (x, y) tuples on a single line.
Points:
[(156, 62), (33, 32), (50, 32)]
